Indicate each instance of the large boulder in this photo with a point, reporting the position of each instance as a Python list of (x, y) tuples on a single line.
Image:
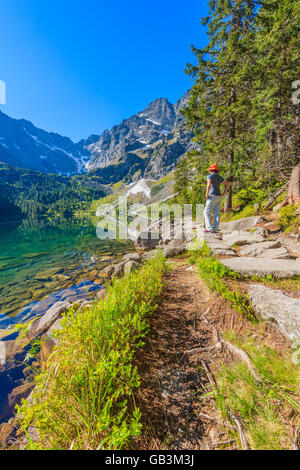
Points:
[(241, 224), (42, 324), (249, 266), (275, 306), (130, 267)]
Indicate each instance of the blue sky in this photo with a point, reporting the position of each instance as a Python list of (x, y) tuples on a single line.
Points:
[(78, 67)]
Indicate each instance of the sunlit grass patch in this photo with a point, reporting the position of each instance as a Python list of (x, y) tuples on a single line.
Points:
[(264, 408)]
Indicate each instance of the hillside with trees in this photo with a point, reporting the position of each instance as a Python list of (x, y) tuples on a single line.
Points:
[(34, 195)]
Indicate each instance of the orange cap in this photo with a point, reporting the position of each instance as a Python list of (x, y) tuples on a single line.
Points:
[(214, 167)]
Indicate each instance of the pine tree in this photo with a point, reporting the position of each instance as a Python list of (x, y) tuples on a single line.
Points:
[(276, 66), (219, 106)]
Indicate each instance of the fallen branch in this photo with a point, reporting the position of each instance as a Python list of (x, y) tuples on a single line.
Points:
[(273, 197), (224, 443), (244, 357)]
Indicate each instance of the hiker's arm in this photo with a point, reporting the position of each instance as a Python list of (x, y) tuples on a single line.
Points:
[(227, 187), (208, 188)]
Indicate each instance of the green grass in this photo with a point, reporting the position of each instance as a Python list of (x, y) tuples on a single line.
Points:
[(263, 408), (84, 399), (213, 272)]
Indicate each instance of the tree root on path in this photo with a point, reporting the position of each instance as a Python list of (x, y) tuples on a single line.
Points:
[(233, 417), (244, 357)]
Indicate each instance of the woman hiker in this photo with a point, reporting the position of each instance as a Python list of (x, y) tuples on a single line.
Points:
[(214, 198)]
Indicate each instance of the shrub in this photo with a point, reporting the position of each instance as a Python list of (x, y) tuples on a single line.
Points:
[(289, 219)]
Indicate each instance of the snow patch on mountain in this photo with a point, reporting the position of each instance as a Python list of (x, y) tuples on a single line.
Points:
[(140, 187)]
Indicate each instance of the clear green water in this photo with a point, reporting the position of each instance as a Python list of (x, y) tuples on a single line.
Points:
[(37, 260)]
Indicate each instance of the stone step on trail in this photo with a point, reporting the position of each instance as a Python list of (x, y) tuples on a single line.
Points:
[(258, 248), (241, 224), (276, 253), (250, 266), (241, 238)]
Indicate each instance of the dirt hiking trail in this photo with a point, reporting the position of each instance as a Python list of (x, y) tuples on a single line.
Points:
[(176, 362)]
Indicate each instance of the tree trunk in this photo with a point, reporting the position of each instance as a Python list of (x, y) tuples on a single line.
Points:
[(293, 196), (228, 202), (232, 131)]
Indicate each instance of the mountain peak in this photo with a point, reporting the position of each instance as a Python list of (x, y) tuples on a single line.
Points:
[(143, 137)]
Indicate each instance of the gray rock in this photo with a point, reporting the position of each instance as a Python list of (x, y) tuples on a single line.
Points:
[(131, 266), (250, 266), (258, 248), (109, 270), (242, 238), (223, 251), (32, 434), (170, 251), (147, 240), (291, 244), (41, 325), (132, 257), (277, 253), (56, 326), (102, 293), (241, 224), (274, 305), (212, 237), (119, 269), (264, 232)]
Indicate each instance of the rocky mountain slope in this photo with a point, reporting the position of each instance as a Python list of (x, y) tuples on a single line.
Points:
[(156, 137), (25, 146), (147, 144)]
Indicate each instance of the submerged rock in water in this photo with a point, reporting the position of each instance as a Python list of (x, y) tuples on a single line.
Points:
[(47, 313)]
